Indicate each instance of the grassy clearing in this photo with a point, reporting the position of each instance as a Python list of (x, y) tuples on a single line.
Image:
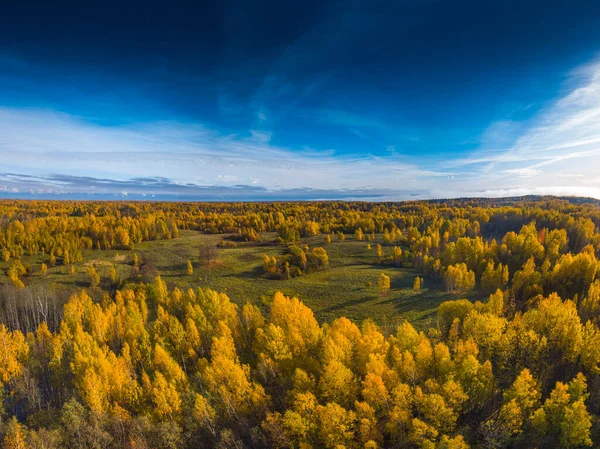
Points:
[(341, 290)]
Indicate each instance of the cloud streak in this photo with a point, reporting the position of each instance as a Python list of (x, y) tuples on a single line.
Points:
[(42, 142), (57, 186), (556, 152)]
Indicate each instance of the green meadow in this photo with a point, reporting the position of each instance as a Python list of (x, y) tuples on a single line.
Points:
[(348, 287)]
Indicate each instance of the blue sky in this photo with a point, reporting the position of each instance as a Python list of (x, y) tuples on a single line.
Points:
[(307, 100)]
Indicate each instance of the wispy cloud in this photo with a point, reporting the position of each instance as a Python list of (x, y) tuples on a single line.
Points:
[(40, 143), (524, 172), (552, 151), (57, 186), (555, 152)]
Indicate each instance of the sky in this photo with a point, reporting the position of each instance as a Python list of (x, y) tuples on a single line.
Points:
[(319, 99)]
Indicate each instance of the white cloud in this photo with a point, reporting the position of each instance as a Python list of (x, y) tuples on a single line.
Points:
[(567, 190), (563, 139), (556, 152), (261, 116), (227, 179), (42, 142), (523, 172)]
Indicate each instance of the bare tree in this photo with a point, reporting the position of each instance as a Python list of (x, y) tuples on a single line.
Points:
[(208, 254), (25, 309)]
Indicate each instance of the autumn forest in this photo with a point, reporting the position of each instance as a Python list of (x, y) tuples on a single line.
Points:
[(451, 324)]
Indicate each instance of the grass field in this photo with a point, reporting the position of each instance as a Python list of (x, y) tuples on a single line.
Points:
[(347, 288)]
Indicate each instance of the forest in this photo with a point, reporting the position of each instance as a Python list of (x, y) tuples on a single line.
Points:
[(451, 324)]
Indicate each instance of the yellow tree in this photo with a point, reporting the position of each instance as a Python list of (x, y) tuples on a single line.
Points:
[(485, 330), (387, 236), (229, 382), (112, 273), (311, 228), (564, 416), (417, 284), (401, 413), (14, 278), (589, 307), (375, 392), (336, 426), (13, 351), (340, 343), (338, 384), (93, 276), (383, 282), (368, 430), (397, 255), (494, 278), (301, 329), (15, 270), (559, 322), (166, 400), (269, 264), (379, 253), (371, 349), (458, 278), (520, 401), (205, 414), (319, 258), (15, 436), (526, 282)]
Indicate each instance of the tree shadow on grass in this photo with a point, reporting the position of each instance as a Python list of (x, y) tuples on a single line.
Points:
[(413, 303), (349, 303), (78, 284), (176, 271), (254, 273)]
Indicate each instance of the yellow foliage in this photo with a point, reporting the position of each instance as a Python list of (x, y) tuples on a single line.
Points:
[(383, 282)]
